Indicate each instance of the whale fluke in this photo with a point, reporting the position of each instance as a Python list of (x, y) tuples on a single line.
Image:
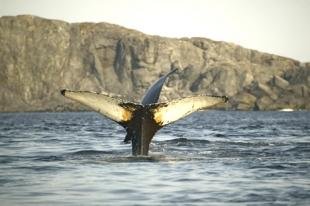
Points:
[(142, 121), (166, 113), (113, 108)]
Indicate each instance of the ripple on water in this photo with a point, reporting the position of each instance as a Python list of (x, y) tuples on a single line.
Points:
[(218, 158)]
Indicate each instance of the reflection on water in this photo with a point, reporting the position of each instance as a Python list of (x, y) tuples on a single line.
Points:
[(210, 158)]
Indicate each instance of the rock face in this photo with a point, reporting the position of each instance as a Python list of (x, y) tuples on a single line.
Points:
[(38, 57)]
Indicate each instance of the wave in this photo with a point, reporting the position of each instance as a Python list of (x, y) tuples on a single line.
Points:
[(92, 152), (183, 140), (51, 158)]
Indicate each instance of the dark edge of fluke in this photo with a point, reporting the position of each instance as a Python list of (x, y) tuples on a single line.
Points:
[(63, 92), (225, 98)]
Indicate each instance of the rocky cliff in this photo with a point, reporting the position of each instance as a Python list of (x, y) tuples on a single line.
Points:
[(38, 57)]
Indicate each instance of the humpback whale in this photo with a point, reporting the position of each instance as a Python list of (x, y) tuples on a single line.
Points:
[(142, 120)]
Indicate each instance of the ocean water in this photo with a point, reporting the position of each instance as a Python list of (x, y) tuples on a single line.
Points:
[(209, 158)]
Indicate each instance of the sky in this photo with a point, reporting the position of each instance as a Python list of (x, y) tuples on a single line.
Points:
[(279, 27)]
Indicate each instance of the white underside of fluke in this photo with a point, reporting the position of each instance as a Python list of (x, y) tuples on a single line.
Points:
[(113, 108), (166, 113)]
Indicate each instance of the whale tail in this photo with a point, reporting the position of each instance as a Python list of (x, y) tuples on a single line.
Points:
[(142, 121)]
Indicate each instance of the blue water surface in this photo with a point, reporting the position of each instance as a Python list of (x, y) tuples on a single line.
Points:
[(209, 158)]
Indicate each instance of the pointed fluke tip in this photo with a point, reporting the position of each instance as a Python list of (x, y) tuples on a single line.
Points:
[(225, 98), (63, 92)]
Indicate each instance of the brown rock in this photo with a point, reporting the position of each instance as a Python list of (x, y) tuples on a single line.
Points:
[(38, 57), (280, 82), (267, 90), (265, 103), (245, 101)]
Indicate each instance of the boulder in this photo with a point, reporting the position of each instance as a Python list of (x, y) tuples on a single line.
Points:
[(267, 90), (280, 82), (245, 101), (264, 103)]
